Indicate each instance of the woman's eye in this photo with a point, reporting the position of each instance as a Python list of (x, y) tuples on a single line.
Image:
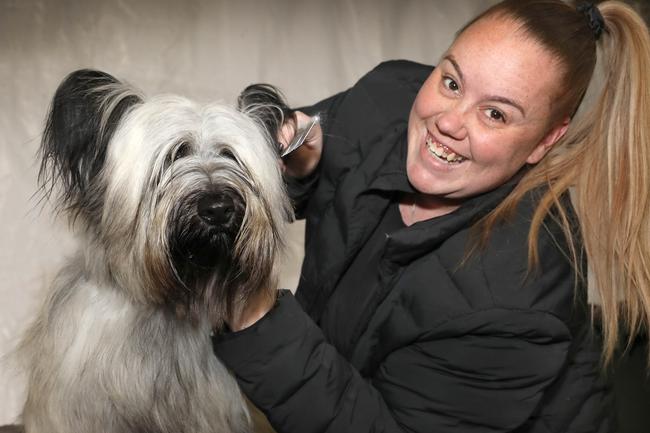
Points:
[(495, 115), (450, 84)]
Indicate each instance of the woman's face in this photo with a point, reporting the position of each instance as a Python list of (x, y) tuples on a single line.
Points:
[(483, 113)]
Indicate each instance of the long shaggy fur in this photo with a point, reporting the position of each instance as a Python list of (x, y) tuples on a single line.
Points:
[(181, 209)]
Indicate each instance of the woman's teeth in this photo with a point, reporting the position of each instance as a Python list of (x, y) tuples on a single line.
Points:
[(443, 152)]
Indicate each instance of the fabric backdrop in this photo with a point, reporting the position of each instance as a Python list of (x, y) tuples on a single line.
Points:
[(202, 49)]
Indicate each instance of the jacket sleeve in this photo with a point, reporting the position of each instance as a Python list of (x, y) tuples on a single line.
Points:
[(485, 372)]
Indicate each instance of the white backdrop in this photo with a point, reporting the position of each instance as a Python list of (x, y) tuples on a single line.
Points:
[(205, 50)]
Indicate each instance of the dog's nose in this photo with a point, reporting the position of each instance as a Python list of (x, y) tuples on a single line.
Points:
[(216, 210)]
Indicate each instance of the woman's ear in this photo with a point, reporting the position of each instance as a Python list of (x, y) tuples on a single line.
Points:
[(548, 141)]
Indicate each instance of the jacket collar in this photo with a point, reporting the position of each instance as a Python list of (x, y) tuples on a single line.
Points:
[(412, 242)]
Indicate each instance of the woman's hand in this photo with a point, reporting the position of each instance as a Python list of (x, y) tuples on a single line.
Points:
[(254, 309), (302, 161)]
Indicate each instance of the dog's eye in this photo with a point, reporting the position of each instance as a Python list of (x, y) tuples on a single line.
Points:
[(181, 151), (227, 153)]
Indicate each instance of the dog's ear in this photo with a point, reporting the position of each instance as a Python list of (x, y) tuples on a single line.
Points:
[(266, 104), (85, 111)]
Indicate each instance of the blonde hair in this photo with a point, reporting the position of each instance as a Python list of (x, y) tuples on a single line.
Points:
[(603, 160)]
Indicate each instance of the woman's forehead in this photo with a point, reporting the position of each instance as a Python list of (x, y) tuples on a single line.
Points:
[(495, 56)]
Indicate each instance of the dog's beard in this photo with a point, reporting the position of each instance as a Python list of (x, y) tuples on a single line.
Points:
[(201, 239), (202, 233), (203, 230), (194, 240)]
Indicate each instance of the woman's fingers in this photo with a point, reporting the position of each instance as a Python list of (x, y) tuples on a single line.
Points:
[(287, 132), (304, 160)]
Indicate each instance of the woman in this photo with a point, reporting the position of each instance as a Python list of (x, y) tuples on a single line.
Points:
[(444, 281)]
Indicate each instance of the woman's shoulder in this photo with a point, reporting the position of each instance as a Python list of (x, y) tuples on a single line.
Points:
[(379, 98), (400, 70), (394, 81), (366, 116)]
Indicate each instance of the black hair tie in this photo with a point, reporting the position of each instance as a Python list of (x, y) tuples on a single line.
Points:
[(596, 20)]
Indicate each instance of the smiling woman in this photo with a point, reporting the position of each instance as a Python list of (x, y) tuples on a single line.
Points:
[(444, 281), (477, 120)]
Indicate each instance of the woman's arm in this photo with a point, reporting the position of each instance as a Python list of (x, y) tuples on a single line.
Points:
[(482, 372), (301, 167)]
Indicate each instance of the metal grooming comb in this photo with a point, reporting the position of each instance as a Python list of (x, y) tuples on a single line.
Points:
[(301, 135)]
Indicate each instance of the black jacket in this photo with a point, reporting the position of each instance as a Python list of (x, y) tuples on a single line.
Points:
[(434, 343)]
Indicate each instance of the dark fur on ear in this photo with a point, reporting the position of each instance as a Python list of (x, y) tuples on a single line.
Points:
[(265, 103), (85, 111)]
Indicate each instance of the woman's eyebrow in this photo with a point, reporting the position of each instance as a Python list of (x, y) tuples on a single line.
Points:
[(507, 101), (451, 60), (504, 100)]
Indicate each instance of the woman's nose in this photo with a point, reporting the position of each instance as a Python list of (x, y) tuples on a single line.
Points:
[(451, 122)]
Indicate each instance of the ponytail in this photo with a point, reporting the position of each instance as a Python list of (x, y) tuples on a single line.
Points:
[(612, 195)]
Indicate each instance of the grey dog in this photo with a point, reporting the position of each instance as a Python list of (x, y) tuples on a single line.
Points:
[(181, 209)]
